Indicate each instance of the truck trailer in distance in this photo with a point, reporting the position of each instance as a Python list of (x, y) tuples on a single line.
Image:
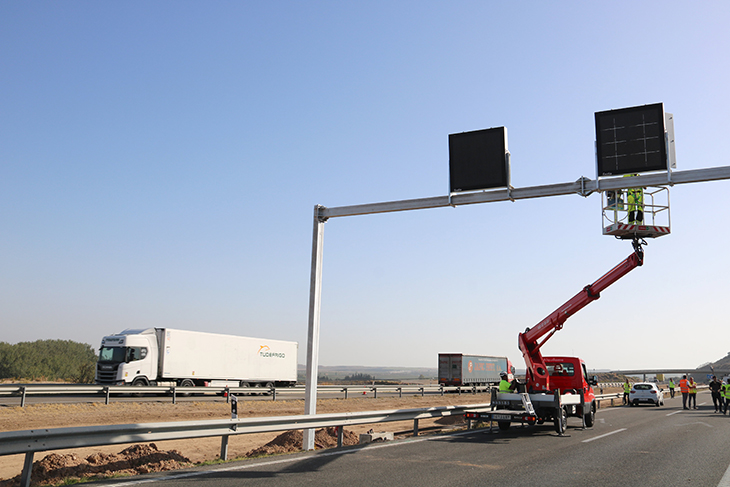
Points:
[(166, 356), (456, 369)]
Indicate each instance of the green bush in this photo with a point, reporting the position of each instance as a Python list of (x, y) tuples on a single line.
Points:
[(48, 360)]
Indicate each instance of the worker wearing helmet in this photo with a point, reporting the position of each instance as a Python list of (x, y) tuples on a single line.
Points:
[(635, 200), (505, 385)]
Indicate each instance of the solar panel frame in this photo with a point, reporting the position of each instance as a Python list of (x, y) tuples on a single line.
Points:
[(631, 140), (477, 160)]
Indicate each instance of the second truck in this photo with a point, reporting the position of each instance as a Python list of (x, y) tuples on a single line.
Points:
[(555, 387)]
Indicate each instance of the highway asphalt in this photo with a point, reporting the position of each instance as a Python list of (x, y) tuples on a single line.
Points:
[(627, 446)]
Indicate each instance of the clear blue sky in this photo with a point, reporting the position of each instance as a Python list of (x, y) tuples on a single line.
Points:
[(160, 161)]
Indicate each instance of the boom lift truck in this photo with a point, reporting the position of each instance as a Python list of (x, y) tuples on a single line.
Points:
[(556, 387)]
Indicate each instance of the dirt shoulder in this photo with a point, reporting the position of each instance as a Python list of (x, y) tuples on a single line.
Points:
[(202, 449)]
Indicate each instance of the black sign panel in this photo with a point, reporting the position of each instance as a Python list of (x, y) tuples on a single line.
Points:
[(477, 160), (631, 140)]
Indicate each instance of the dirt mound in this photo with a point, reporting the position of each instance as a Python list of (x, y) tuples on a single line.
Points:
[(136, 459), (292, 441), (451, 420)]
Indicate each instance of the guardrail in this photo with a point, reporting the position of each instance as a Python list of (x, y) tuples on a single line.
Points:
[(38, 440), (23, 391)]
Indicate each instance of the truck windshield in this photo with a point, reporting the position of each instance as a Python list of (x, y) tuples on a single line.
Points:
[(561, 369), (122, 354), (112, 354)]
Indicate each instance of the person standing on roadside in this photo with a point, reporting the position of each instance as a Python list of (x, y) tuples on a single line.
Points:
[(684, 389), (715, 389), (726, 393), (671, 388), (627, 390), (692, 392)]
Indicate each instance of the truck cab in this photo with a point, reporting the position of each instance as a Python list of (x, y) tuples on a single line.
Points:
[(569, 375), (128, 358)]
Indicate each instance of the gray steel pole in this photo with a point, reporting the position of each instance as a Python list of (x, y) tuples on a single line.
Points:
[(315, 304)]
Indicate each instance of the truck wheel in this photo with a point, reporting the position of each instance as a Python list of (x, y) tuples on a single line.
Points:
[(187, 383), (269, 388), (591, 415), (503, 425), (139, 382), (561, 421)]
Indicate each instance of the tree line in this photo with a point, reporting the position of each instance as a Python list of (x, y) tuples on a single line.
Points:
[(48, 360)]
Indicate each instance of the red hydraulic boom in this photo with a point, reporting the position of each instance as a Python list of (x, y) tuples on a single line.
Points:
[(537, 374)]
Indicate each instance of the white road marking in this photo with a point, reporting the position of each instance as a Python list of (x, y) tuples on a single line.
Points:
[(603, 436), (725, 480)]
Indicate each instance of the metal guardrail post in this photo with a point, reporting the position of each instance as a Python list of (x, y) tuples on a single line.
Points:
[(415, 427), (345, 389), (224, 447), (27, 470), (423, 393), (227, 393), (106, 391), (400, 392), (474, 389), (340, 434), (375, 392), (442, 390), (273, 393), (173, 389), (22, 397)]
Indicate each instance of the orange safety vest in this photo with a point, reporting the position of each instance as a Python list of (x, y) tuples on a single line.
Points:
[(683, 387)]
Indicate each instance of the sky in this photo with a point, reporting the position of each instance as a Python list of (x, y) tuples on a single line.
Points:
[(160, 162)]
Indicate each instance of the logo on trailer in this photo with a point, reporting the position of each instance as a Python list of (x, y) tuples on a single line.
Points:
[(265, 351), (470, 366)]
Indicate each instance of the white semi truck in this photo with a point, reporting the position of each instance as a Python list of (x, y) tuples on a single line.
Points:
[(166, 356)]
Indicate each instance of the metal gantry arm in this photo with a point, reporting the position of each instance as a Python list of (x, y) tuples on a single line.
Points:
[(529, 342), (583, 186)]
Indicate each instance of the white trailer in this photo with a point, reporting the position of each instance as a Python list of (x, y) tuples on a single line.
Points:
[(167, 356)]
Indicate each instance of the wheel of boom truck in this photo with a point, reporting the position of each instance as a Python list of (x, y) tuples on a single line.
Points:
[(503, 425), (561, 420), (590, 416)]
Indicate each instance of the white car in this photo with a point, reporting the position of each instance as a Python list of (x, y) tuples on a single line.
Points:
[(646, 392)]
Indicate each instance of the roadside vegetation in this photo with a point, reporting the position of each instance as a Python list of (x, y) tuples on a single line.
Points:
[(47, 360)]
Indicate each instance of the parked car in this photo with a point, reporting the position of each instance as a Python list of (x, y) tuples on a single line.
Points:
[(647, 392)]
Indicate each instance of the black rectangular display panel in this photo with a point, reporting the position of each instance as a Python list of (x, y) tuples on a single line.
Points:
[(631, 140), (477, 160)]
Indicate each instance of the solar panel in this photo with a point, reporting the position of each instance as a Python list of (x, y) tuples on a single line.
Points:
[(631, 140), (477, 160)]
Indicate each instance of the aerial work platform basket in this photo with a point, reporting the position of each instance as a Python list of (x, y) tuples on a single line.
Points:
[(617, 208)]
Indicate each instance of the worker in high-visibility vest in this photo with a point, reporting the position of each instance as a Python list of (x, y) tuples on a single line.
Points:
[(627, 391), (635, 200), (671, 388), (726, 394), (504, 384), (684, 389), (692, 393)]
